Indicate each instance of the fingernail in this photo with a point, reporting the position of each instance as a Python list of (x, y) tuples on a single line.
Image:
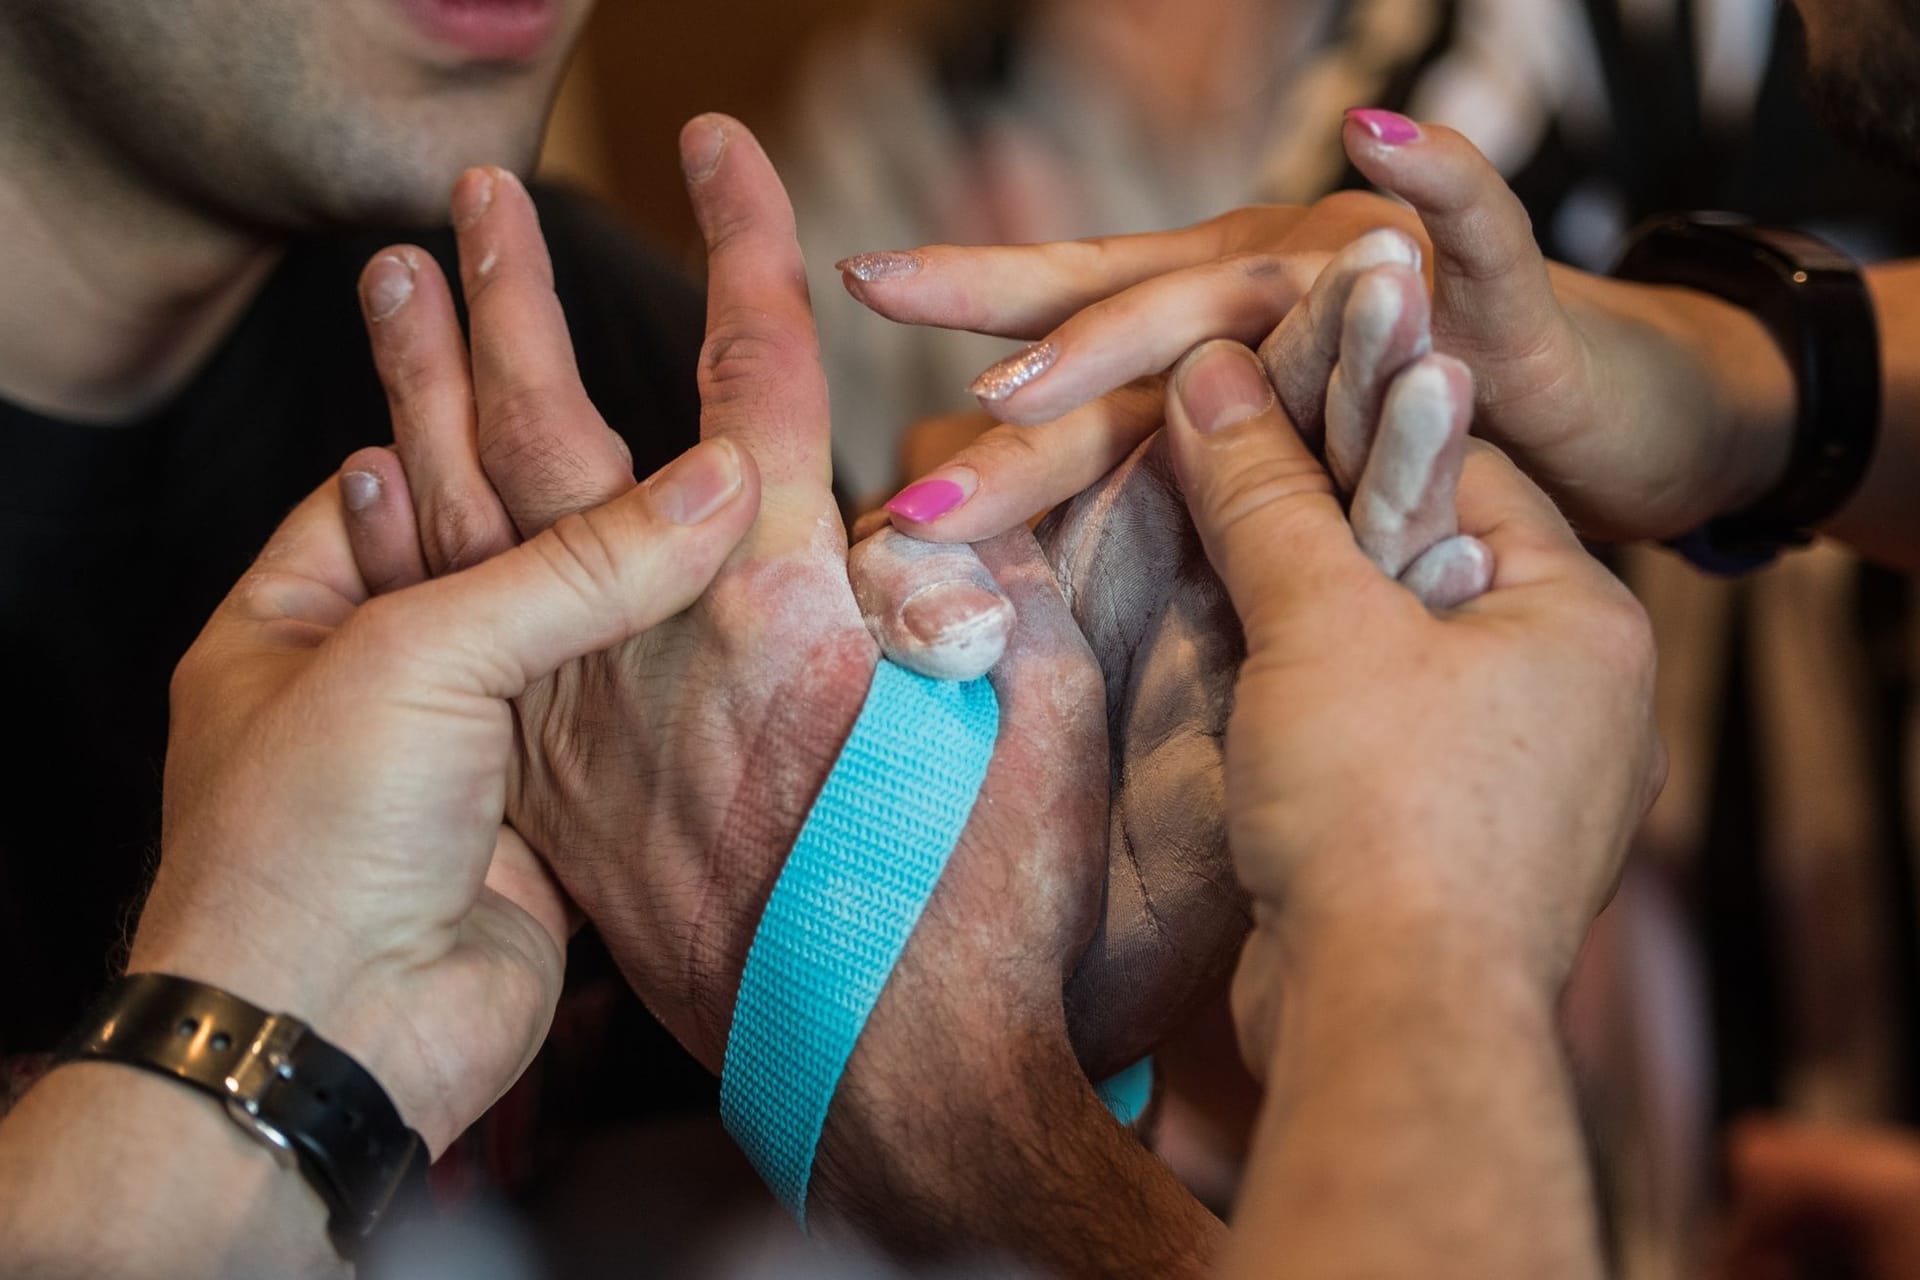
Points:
[(387, 286), (1389, 127), (947, 611), (1015, 372), (472, 194), (933, 497), (1220, 384), (697, 483), (360, 489), (869, 267), (702, 143)]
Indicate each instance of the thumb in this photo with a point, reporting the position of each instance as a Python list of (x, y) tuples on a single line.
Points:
[(588, 582), (1492, 294), (1263, 504)]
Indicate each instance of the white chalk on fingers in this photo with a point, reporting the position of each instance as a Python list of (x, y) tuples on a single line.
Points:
[(1450, 573), (932, 606)]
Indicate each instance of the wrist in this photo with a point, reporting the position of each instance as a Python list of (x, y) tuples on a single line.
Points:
[(106, 1169), (1754, 399), (342, 1000), (1392, 950)]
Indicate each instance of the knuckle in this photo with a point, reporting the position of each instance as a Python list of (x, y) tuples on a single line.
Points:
[(745, 351), (584, 554), (1279, 489), (458, 534)]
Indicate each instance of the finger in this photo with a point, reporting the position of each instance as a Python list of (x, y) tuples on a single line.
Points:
[(1405, 500), (544, 446), (760, 378), (305, 576), (380, 521), (1303, 349), (1142, 330), (518, 875), (1531, 542), (1490, 281), (1450, 573), (1786, 1170), (1384, 329), (590, 581), (421, 356), (1264, 506), (1022, 291), (933, 607), (1011, 474)]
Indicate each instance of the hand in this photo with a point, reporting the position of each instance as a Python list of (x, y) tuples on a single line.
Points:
[(1644, 411), (1822, 1196), (1170, 646), (1477, 773), (339, 767), (668, 778)]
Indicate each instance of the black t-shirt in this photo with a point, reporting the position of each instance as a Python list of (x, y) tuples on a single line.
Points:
[(117, 542)]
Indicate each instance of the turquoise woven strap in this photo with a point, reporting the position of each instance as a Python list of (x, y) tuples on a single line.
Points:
[(866, 861)]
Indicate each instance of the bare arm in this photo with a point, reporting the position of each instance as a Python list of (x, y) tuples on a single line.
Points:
[(1419, 1119), (106, 1170)]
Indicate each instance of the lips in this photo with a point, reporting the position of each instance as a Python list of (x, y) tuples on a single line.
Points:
[(487, 30)]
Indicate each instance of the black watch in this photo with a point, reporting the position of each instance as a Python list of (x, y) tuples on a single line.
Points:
[(307, 1101), (1811, 298)]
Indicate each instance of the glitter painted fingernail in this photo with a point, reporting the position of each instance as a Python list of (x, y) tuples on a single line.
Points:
[(1015, 372), (889, 265)]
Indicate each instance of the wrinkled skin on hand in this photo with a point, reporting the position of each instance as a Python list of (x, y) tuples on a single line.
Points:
[(1137, 578), (665, 780)]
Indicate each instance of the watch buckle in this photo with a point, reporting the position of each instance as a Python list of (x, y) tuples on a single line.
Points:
[(267, 1059)]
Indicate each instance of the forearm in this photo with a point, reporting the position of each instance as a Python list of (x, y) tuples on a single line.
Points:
[(107, 1170), (977, 1144), (1419, 1118), (1883, 521), (1700, 385)]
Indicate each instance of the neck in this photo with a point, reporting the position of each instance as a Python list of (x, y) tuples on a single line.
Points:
[(117, 292)]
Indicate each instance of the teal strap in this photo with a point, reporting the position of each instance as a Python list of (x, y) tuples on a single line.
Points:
[(866, 861), (1127, 1093)]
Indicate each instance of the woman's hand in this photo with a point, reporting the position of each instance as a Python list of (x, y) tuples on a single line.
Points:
[(1644, 411)]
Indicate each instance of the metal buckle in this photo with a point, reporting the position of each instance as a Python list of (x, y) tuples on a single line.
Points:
[(267, 1059)]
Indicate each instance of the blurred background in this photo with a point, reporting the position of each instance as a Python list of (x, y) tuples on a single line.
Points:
[(1762, 957)]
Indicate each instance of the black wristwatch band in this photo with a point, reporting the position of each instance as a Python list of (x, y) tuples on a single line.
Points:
[(308, 1101), (1811, 298)]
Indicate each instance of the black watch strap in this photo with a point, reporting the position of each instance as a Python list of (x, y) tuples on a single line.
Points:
[(307, 1100), (1811, 298)]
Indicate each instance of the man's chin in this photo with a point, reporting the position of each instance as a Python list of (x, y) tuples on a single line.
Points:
[(1863, 77), (1877, 115)]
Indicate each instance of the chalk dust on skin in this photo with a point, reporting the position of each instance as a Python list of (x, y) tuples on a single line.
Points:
[(933, 607), (1169, 648), (1406, 500), (1386, 326)]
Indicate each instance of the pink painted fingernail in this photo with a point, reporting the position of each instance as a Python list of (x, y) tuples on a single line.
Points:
[(1389, 127), (1016, 371), (870, 267), (929, 499)]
